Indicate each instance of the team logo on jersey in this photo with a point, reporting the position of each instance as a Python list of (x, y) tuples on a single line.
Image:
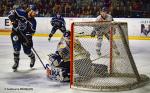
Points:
[(15, 38), (22, 24)]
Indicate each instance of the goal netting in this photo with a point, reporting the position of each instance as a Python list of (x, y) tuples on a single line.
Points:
[(112, 70)]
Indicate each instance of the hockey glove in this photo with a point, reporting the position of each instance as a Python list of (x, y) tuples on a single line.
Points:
[(93, 33)]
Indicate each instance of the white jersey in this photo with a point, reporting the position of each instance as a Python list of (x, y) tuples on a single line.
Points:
[(103, 28), (107, 18)]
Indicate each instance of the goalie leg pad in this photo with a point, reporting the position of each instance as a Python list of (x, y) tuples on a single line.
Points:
[(58, 74)]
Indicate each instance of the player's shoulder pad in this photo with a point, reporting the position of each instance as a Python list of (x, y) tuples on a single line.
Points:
[(98, 18), (11, 12), (53, 18), (109, 17), (21, 13)]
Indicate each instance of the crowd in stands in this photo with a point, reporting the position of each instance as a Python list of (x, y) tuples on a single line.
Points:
[(82, 8)]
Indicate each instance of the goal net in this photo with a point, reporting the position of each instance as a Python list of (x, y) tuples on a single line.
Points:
[(113, 69)]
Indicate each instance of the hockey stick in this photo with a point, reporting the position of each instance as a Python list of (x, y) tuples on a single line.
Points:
[(32, 49), (81, 34), (38, 57)]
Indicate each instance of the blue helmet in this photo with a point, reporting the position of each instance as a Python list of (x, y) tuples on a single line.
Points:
[(33, 7), (105, 9)]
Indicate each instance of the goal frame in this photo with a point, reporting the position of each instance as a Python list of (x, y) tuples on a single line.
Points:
[(111, 53)]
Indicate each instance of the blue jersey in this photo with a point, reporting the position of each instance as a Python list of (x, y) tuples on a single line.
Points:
[(58, 21), (21, 22)]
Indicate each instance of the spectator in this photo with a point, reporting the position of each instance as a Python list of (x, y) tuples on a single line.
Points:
[(94, 11), (67, 9), (127, 8)]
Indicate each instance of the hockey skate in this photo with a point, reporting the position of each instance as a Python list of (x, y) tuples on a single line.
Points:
[(32, 61), (15, 66)]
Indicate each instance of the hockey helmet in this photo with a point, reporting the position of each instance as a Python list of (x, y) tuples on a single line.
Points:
[(104, 9), (33, 7)]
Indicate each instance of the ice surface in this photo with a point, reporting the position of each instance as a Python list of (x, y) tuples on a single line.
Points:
[(34, 80)]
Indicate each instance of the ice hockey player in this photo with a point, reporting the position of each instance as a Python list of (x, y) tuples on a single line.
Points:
[(23, 27), (59, 67), (100, 32), (57, 22)]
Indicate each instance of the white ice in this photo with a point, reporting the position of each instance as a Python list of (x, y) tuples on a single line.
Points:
[(37, 82)]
